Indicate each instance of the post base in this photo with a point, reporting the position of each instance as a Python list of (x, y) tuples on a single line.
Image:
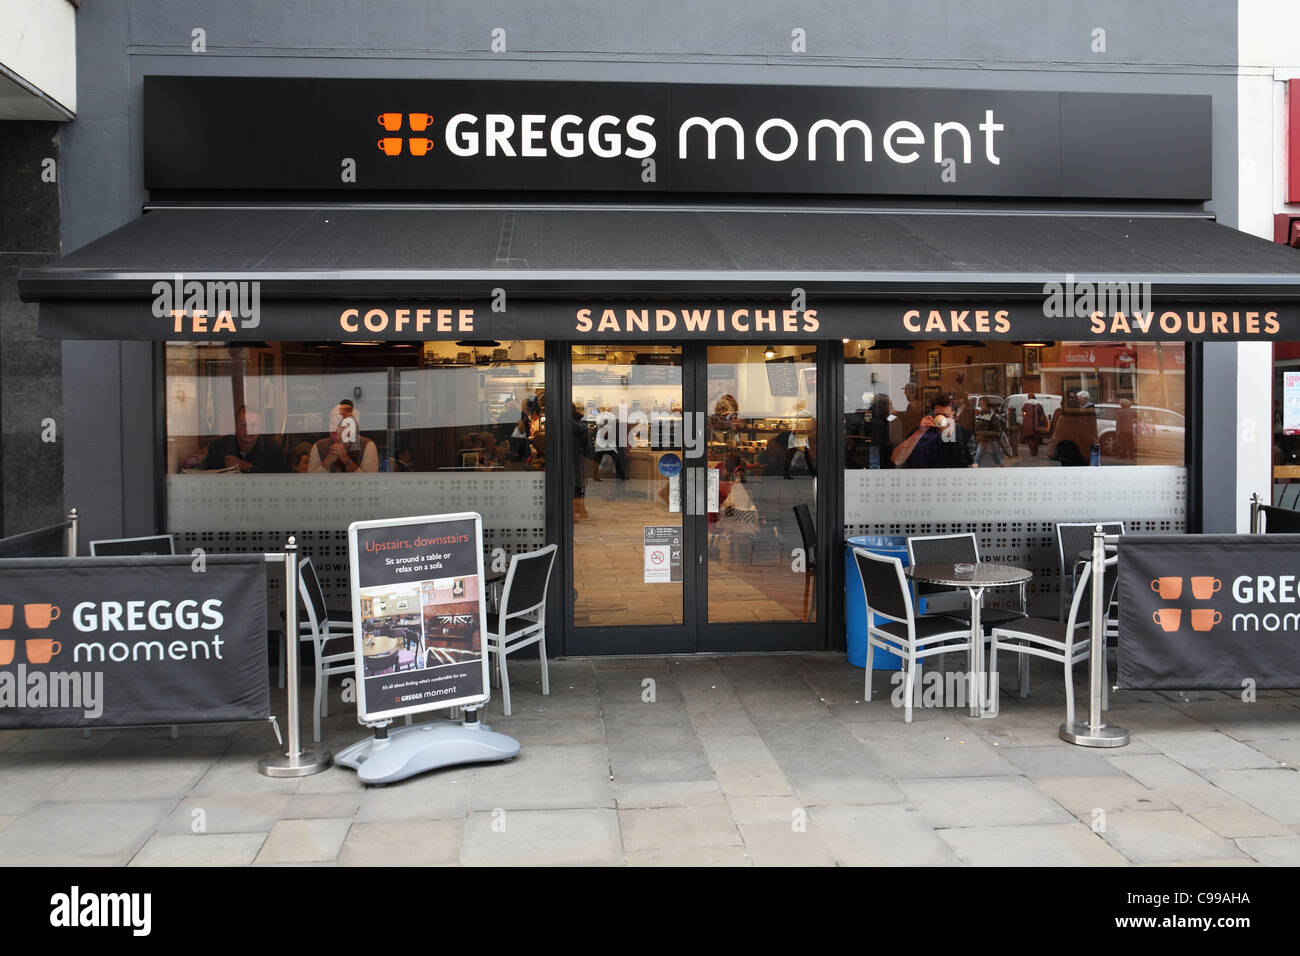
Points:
[(1082, 734), (279, 764), (422, 747)]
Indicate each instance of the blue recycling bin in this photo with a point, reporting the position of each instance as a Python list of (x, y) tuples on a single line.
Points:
[(855, 611)]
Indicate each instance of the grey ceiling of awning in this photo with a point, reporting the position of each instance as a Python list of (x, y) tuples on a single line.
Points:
[(353, 251)]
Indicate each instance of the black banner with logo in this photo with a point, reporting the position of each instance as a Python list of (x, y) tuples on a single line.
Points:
[(221, 132), (115, 642), (419, 612), (1209, 611)]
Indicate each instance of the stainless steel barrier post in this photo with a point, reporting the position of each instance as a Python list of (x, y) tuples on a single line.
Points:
[(295, 760), (1255, 513), (1095, 733), (72, 532)]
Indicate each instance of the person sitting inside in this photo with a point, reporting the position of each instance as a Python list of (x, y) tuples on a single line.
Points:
[(346, 449), (247, 449), (938, 442)]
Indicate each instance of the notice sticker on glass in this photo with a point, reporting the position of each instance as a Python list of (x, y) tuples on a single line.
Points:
[(663, 554), (1291, 403)]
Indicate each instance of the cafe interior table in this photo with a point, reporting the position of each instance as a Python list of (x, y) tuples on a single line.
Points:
[(980, 576)]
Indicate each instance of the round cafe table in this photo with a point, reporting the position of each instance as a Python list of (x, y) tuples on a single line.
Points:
[(983, 575)]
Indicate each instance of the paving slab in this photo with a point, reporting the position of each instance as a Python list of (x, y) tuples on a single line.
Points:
[(306, 806), (209, 849), (1059, 760), (691, 856), (777, 844), (304, 841), (1083, 796), (1274, 792), (253, 813), (1208, 750), (404, 843), (752, 780), (1164, 836), (921, 752), (677, 827), (66, 833), (885, 835), (587, 837), (667, 793), (1233, 823), (1053, 844), (545, 776), (982, 801), (1273, 850)]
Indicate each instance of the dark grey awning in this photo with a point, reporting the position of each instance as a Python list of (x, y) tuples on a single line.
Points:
[(548, 254)]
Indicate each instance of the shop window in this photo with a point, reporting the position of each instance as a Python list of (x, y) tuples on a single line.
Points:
[(287, 408), (1013, 405)]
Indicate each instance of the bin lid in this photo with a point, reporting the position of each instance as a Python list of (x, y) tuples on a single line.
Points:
[(874, 542)]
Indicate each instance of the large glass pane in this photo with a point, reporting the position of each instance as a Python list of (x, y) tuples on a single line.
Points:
[(763, 463), (1008, 405), (628, 555), (268, 440)]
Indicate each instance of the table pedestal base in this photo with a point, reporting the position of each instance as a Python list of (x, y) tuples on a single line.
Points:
[(1083, 735)]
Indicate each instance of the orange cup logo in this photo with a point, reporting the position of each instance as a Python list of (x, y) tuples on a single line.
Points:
[(40, 616), (419, 121), (420, 146), (1205, 588), (390, 121), (1170, 589), (40, 650), (1168, 618), (391, 145), (1204, 618), (7, 652), (6, 616)]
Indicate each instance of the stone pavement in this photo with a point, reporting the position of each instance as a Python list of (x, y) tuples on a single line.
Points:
[(764, 760)]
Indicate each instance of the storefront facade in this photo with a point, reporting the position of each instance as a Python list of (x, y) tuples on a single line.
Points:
[(567, 294)]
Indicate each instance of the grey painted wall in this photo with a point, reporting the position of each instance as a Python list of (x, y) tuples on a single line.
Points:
[(1186, 46), (32, 468)]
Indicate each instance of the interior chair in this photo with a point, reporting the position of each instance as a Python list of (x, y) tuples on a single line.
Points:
[(522, 618), (808, 532), (319, 629), (903, 633), (1066, 642), (955, 602)]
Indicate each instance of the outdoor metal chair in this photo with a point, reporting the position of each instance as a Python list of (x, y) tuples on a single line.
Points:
[(319, 629), (955, 603), (1065, 642), (1072, 538), (903, 633), (522, 618), (808, 532)]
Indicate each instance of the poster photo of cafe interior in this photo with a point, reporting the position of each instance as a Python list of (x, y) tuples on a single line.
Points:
[(735, 356)]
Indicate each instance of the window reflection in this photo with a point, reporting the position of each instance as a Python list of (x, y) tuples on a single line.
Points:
[(358, 408), (1011, 405)]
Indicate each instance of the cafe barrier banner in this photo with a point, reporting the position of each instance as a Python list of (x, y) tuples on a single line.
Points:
[(115, 642), (418, 614), (1209, 611)]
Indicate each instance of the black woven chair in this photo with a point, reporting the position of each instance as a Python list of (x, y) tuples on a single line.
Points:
[(1280, 520), (903, 633)]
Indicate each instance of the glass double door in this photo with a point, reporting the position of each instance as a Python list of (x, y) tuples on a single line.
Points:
[(692, 468)]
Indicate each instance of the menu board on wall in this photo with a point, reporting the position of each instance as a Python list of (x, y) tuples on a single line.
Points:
[(783, 376), (418, 614)]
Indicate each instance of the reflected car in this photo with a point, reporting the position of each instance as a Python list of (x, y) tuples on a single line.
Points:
[(1159, 433)]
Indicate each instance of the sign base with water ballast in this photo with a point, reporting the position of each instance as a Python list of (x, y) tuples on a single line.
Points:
[(407, 751), (418, 615)]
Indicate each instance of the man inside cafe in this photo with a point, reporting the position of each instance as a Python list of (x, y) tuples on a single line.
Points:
[(345, 449), (938, 441)]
